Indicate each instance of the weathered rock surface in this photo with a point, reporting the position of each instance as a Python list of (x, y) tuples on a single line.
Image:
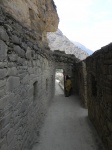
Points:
[(35, 14), (57, 41)]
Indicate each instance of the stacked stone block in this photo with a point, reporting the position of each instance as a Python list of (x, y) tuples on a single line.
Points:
[(24, 99), (99, 92), (82, 82), (27, 83)]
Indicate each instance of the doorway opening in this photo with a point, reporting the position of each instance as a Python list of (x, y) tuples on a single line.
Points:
[(59, 81)]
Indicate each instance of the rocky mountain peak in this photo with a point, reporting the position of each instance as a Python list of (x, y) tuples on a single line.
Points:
[(58, 41)]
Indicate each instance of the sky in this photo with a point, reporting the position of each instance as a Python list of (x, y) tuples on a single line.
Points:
[(88, 22)]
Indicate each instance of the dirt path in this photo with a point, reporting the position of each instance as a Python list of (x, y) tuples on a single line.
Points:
[(67, 126)]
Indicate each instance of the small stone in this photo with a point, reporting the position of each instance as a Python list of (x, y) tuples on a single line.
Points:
[(12, 57), (28, 53), (3, 51), (19, 51), (12, 83), (15, 39), (12, 71), (2, 83), (3, 73), (3, 65), (3, 34)]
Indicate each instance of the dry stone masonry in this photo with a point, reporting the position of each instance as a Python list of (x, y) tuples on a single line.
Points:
[(99, 92), (81, 73), (26, 79), (95, 89), (27, 82), (27, 75)]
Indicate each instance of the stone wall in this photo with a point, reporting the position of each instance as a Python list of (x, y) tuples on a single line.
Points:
[(27, 82), (67, 62), (99, 92), (64, 61), (82, 82)]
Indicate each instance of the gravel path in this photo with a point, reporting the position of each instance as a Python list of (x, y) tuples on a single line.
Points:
[(67, 126)]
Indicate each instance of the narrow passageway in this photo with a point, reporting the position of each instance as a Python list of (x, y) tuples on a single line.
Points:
[(67, 126)]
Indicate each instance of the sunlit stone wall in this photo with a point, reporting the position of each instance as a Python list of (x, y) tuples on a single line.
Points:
[(39, 15)]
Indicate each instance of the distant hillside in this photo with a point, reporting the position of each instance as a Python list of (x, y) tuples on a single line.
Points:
[(57, 41), (83, 47)]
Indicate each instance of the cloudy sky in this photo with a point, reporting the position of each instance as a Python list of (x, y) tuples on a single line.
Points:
[(86, 21)]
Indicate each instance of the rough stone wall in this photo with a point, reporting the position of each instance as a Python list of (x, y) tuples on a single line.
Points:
[(68, 64), (64, 61), (99, 92), (26, 84), (82, 82)]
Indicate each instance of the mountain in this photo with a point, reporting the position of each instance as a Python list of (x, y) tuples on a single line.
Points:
[(83, 47), (58, 41)]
